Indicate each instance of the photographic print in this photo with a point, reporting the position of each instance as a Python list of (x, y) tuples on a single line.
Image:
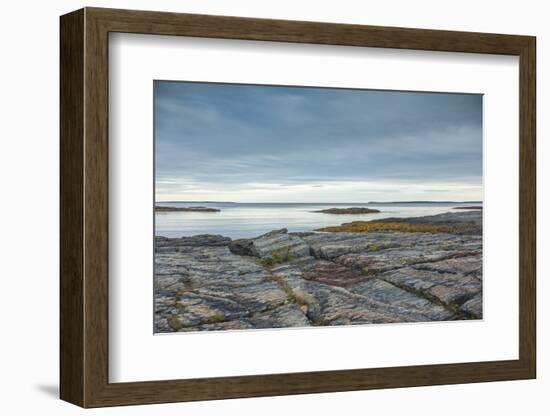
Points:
[(290, 206)]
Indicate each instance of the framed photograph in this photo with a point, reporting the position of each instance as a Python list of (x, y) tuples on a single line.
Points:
[(255, 207)]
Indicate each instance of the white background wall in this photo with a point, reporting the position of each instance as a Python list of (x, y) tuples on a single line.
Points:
[(29, 225)]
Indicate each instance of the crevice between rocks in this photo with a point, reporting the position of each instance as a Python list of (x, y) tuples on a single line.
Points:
[(458, 313), (292, 296)]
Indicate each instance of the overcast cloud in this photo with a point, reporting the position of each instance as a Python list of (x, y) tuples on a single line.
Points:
[(287, 144)]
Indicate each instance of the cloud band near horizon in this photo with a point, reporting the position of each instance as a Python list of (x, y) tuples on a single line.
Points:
[(255, 143)]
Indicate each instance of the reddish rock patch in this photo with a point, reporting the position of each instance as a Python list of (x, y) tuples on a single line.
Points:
[(333, 274)]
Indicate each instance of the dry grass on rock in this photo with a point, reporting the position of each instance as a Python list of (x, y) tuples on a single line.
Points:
[(371, 227)]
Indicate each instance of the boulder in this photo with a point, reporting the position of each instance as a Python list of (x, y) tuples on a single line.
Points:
[(242, 247), (277, 244)]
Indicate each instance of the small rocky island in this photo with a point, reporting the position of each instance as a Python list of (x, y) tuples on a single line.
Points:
[(185, 209), (353, 210), (397, 270)]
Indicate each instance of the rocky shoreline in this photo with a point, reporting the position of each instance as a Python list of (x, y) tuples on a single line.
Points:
[(282, 279)]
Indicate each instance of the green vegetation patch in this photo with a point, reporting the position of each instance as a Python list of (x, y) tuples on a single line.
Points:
[(216, 318), (175, 323), (282, 255)]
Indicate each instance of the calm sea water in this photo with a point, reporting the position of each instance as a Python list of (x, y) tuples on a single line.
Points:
[(245, 220)]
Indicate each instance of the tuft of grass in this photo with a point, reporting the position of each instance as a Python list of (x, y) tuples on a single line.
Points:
[(371, 227), (367, 271), (282, 255), (294, 297), (216, 318), (373, 247), (297, 296), (175, 323), (291, 297)]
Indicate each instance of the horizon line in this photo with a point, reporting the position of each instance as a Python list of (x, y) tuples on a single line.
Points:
[(326, 202)]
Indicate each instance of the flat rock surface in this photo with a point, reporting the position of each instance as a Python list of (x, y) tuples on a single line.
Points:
[(281, 279), (466, 217)]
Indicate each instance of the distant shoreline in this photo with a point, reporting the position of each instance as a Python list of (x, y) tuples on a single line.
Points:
[(322, 203), (185, 209)]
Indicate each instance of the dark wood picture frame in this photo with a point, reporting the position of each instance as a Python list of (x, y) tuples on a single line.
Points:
[(84, 207)]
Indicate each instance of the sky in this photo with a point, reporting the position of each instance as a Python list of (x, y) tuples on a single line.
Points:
[(257, 143)]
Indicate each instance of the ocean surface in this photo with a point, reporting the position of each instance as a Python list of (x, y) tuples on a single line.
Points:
[(246, 220)]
